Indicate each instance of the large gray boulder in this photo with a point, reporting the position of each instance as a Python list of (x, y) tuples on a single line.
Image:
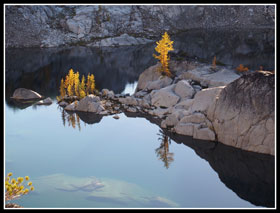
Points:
[(164, 97), (184, 89), (149, 75), (26, 94), (90, 103), (205, 100), (162, 82), (244, 115), (128, 101), (206, 77)]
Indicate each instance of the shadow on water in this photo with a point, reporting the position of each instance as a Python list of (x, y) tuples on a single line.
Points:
[(250, 175)]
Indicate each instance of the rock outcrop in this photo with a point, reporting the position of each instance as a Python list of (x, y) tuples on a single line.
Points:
[(240, 113), (104, 25), (244, 114)]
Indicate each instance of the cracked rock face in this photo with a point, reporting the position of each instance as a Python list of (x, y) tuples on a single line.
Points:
[(56, 25), (245, 111)]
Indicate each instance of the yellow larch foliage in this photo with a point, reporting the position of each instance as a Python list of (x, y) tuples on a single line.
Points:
[(14, 189), (163, 47), (241, 68), (90, 84), (214, 63), (82, 88), (62, 89), (76, 83), (72, 85)]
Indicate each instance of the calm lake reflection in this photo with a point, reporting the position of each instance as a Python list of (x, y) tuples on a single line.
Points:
[(82, 160)]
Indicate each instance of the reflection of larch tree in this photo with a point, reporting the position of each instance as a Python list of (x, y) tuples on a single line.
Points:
[(162, 151), (63, 117), (72, 119)]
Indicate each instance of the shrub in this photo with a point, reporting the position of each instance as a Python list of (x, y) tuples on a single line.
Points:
[(14, 188), (163, 47), (241, 68), (214, 63)]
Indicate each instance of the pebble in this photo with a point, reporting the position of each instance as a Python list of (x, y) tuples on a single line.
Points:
[(116, 117)]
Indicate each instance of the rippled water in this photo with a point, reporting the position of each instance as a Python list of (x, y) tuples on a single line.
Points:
[(86, 161)]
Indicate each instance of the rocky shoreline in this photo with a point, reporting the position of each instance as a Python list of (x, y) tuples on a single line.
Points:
[(196, 103), (213, 104)]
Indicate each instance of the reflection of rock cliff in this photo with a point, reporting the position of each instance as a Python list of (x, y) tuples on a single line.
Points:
[(250, 175), (41, 70), (251, 47)]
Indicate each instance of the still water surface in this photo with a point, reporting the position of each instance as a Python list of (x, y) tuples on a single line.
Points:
[(82, 161)]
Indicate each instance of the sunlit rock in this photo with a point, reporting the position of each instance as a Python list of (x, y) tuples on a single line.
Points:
[(72, 106), (47, 101), (150, 74), (205, 99), (203, 133), (163, 81), (171, 120), (194, 118), (90, 103), (26, 94), (184, 128), (184, 89), (164, 97), (159, 112), (206, 77), (128, 101), (244, 115), (185, 104)]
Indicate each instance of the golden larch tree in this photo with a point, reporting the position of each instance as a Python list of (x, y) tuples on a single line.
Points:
[(163, 47)]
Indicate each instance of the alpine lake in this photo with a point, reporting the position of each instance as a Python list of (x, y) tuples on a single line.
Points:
[(78, 160)]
